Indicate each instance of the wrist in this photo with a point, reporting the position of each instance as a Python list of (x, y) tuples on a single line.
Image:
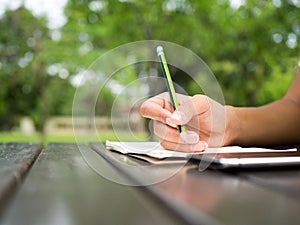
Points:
[(232, 126)]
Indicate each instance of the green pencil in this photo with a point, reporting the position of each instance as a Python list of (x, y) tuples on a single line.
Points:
[(171, 89)]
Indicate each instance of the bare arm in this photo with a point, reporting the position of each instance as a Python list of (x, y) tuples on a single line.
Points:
[(272, 124)]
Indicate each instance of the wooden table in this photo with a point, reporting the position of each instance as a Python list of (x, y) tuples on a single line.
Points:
[(63, 183)]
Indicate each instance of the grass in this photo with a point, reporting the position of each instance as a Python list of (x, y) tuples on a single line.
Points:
[(84, 138)]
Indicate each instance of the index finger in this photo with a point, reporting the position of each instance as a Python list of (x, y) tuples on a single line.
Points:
[(158, 108)]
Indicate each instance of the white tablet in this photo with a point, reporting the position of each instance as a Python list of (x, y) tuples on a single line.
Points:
[(251, 160)]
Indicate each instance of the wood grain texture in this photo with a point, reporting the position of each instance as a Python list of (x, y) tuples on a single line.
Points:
[(61, 188), (219, 197), (15, 161)]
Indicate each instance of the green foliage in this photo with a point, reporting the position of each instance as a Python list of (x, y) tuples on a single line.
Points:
[(276, 85), (19, 50), (241, 45), (109, 135), (60, 102), (26, 51), (252, 50)]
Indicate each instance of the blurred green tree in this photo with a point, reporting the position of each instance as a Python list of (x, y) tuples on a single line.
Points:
[(244, 44), (251, 43), (26, 52), (19, 52), (251, 46)]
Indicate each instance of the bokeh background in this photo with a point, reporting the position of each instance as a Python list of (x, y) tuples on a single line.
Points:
[(251, 46)]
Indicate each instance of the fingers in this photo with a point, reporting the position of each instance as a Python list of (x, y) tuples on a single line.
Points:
[(160, 107), (171, 139), (166, 121), (171, 134), (197, 105), (157, 108)]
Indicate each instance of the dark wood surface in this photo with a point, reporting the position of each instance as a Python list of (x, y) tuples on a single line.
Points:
[(61, 188), (15, 160), (220, 197), (76, 184)]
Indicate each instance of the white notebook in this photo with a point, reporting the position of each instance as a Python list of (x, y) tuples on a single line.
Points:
[(153, 152)]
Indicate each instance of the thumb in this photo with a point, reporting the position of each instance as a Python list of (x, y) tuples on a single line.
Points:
[(196, 105)]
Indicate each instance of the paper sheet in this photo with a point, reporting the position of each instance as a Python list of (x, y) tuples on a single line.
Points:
[(155, 150)]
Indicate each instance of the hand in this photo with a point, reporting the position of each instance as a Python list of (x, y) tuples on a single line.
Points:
[(204, 119)]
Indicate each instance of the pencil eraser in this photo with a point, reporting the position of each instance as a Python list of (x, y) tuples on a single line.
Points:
[(160, 50)]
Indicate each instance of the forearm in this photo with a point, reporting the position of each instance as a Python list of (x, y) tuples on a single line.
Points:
[(277, 123)]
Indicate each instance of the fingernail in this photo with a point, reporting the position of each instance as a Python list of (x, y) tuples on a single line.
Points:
[(189, 137), (168, 121)]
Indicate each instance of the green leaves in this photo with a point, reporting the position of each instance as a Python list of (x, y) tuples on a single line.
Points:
[(252, 49)]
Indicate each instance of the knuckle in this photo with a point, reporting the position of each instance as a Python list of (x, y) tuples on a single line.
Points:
[(143, 108), (200, 100)]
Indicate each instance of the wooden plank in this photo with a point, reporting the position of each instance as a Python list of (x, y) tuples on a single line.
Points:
[(15, 161), (286, 181), (156, 174), (210, 196), (282, 180), (61, 188), (230, 199)]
